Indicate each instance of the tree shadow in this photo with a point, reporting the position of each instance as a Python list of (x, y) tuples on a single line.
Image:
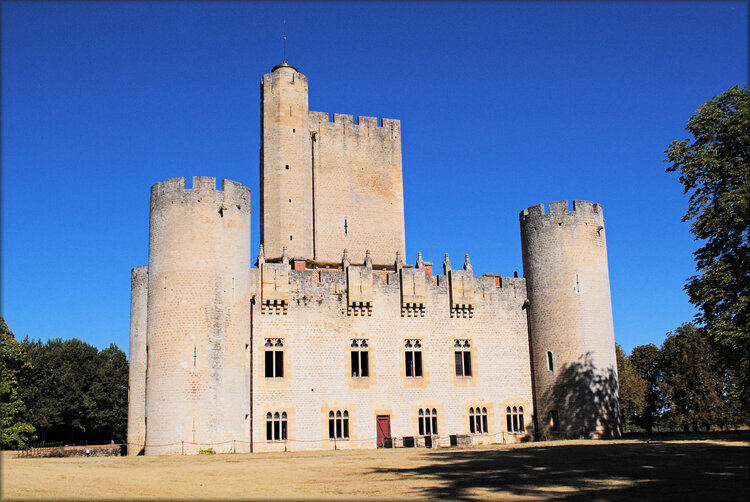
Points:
[(664, 471), (587, 402)]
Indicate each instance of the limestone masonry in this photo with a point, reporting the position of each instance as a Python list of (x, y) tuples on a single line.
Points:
[(333, 341)]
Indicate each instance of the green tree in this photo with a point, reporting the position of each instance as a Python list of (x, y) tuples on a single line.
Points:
[(691, 382), (632, 388), (15, 433), (76, 392), (714, 168), (110, 393), (646, 363)]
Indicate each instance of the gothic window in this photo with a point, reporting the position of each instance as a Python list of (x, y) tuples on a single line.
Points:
[(514, 419), (360, 358), (276, 426), (478, 420), (463, 357), (274, 354), (413, 355), (338, 425), (427, 422)]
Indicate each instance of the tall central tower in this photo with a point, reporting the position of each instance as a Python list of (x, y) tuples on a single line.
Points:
[(286, 214), (327, 185)]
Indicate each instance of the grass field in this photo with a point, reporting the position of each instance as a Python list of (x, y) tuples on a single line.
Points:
[(708, 468)]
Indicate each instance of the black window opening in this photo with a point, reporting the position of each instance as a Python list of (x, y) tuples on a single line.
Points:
[(413, 358), (276, 426), (338, 425), (360, 359), (550, 361), (427, 422), (274, 358), (463, 357), (478, 420)]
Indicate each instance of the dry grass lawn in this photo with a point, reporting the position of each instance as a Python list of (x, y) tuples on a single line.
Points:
[(711, 468)]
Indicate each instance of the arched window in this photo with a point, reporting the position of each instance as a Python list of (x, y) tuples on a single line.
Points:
[(514, 419), (427, 422), (508, 419), (338, 425), (550, 361), (276, 426), (478, 420)]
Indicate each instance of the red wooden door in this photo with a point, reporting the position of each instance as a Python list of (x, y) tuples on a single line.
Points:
[(384, 428)]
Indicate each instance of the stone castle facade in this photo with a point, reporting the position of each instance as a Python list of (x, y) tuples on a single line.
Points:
[(332, 340)]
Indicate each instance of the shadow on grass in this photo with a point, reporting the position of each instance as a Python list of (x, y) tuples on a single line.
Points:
[(599, 471)]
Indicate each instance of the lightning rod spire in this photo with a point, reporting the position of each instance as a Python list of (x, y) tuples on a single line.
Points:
[(284, 36)]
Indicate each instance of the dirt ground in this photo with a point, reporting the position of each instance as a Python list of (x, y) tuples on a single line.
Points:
[(710, 468)]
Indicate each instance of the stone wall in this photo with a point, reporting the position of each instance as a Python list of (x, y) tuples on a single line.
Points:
[(359, 200), (316, 337)]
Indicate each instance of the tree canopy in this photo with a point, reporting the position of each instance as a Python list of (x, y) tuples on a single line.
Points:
[(681, 385), (75, 392), (632, 388), (714, 169), (15, 432)]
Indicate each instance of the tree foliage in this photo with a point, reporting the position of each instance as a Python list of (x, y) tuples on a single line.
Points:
[(15, 432), (714, 168), (632, 387), (691, 380), (646, 364), (76, 392), (682, 384)]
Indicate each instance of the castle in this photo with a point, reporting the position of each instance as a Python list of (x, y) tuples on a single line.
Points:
[(333, 341)]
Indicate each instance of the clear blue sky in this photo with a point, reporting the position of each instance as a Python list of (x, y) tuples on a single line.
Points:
[(503, 106)]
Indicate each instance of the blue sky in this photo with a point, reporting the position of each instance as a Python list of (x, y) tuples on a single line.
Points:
[(503, 105)]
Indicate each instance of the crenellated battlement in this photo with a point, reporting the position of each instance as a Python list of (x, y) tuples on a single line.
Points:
[(582, 209), (357, 290), (345, 123), (203, 189)]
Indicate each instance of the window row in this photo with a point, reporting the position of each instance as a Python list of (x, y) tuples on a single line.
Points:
[(427, 422), (360, 360)]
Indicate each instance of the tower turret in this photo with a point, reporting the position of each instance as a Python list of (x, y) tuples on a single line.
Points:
[(198, 320), (570, 319), (285, 164)]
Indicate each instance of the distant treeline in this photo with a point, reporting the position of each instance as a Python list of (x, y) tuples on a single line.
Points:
[(684, 385), (61, 390)]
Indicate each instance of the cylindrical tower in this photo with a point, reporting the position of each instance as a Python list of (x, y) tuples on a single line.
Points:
[(137, 363), (570, 320), (286, 164), (197, 378)]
